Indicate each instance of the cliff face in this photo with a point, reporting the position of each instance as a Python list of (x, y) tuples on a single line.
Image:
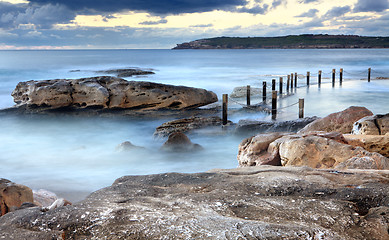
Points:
[(288, 42)]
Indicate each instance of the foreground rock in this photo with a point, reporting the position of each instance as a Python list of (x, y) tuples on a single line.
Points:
[(338, 122), (372, 125), (109, 93), (179, 142), (12, 196), (186, 125), (372, 143), (316, 150), (245, 127), (246, 203)]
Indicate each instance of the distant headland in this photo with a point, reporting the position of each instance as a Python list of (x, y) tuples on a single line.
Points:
[(305, 41)]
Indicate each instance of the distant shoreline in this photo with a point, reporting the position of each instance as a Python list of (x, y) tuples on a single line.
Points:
[(307, 41)]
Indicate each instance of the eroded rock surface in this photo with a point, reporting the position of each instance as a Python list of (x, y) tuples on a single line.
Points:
[(13, 195), (372, 143), (247, 203), (338, 122), (372, 125), (109, 92)]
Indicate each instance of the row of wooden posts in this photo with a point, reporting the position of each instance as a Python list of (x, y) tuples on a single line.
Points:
[(289, 85)]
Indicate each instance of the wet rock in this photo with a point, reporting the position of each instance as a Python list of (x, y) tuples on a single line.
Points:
[(255, 150), (240, 92), (44, 198), (60, 202), (128, 146), (13, 195), (127, 72), (338, 122), (372, 125), (186, 125), (246, 127), (179, 142), (372, 143), (262, 202), (109, 93)]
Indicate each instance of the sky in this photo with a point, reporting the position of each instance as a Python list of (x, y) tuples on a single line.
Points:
[(156, 24)]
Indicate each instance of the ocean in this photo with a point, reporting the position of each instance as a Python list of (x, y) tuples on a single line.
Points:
[(75, 155)]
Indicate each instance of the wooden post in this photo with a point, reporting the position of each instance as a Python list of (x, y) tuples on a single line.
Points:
[(341, 76), (291, 80), (288, 83), (308, 76), (225, 108), (264, 91), (273, 84), (369, 74), (248, 95), (295, 80), (333, 77), (274, 105), (281, 83), (319, 79), (301, 108)]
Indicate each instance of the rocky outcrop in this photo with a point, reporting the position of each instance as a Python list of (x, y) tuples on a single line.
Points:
[(338, 122), (109, 93), (246, 127), (372, 125), (12, 196), (316, 150), (179, 142), (187, 125), (247, 203)]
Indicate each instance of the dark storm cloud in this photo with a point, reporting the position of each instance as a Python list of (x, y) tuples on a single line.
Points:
[(337, 11), (371, 5), (153, 22), (151, 6), (310, 14), (42, 16)]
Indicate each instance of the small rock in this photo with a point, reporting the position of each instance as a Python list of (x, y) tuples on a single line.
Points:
[(128, 146), (179, 142), (44, 198)]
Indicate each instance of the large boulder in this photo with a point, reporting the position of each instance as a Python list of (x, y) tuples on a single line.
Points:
[(262, 202), (250, 127), (338, 122), (372, 125), (13, 195), (109, 92), (186, 125), (179, 142)]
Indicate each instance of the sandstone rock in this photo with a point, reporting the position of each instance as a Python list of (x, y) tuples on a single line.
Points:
[(255, 150), (128, 146), (372, 143), (186, 125), (338, 122), (262, 202), (109, 92), (44, 198), (179, 142), (372, 125), (373, 161), (240, 92), (245, 127), (13, 195)]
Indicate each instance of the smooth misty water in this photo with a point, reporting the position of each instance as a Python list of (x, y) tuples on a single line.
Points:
[(74, 154)]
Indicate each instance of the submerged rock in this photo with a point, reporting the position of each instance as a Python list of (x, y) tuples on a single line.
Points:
[(109, 93), (13, 195), (240, 92), (128, 146), (186, 125), (247, 203), (338, 122), (372, 125), (179, 142), (127, 72)]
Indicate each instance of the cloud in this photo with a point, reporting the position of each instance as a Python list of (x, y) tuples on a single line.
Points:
[(277, 3), (310, 14), (308, 1), (202, 26), (154, 22), (254, 10), (371, 6), (337, 11), (45, 16), (159, 7)]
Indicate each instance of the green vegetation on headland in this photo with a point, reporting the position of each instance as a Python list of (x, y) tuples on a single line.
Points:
[(288, 42)]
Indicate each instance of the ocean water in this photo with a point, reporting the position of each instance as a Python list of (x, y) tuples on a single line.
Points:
[(75, 155)]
